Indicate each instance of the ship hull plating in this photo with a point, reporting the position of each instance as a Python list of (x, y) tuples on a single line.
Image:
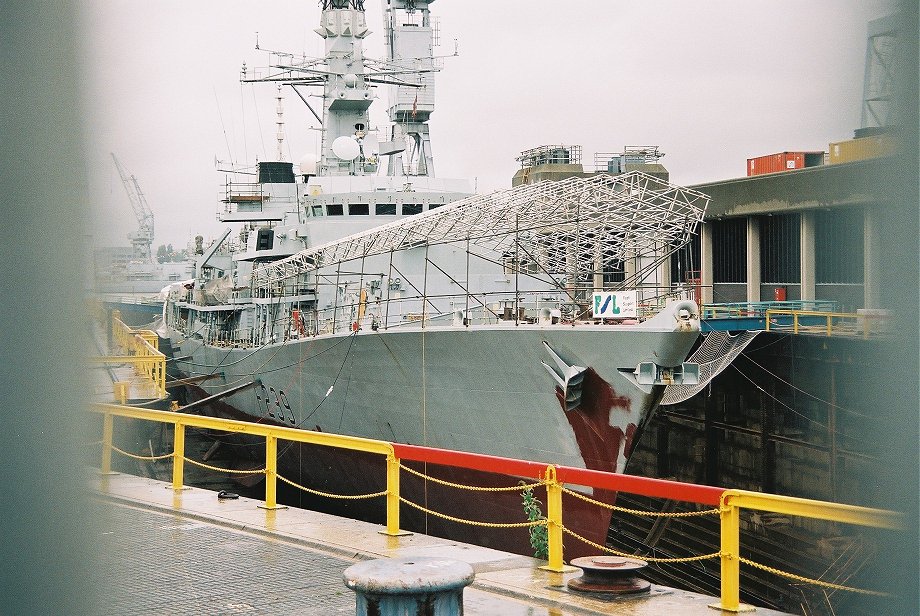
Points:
[(482, 390)]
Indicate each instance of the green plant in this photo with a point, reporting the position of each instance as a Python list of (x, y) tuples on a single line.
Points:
[(538, 537)]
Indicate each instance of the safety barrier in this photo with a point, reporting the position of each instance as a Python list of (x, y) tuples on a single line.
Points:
[(759, 309), (727, 503), (142, 348), (846, 323)]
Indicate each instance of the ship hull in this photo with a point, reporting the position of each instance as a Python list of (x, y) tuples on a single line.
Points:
[(482, 390)]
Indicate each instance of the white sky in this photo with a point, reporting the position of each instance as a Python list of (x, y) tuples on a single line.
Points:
[(711, 82)]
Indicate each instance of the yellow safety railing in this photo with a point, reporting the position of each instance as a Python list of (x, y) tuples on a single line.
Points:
[(142, 348), (729, 512), (550, 476), (846, 323), (271, 434)]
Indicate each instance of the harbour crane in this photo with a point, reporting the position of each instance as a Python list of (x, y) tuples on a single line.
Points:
[(142, 239)]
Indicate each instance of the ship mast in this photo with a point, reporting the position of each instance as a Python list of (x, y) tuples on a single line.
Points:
[(347, 78), (410, 42)]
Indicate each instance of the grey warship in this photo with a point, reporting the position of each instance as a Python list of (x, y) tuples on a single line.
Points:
[(361, 294)]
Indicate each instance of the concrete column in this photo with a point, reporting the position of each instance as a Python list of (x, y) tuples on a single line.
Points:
[(664, 274), (807, 255), (706, 262), (753, 259), (872, 266), (598, 269)]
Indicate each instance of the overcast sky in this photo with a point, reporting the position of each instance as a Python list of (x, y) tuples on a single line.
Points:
[(711, 83)]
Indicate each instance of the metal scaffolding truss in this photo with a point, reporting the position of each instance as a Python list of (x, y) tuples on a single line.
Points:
[(565, 227)]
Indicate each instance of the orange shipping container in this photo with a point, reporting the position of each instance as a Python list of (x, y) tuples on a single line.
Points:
[(783, 161)]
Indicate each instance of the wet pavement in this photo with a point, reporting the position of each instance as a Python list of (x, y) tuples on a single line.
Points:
[(188, 552)]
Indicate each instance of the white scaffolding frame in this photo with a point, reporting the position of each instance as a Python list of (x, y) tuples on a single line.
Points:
[(563, 227)]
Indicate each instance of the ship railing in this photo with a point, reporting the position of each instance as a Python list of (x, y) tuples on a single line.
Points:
[(861, 323), (728, 503), (543, 307)]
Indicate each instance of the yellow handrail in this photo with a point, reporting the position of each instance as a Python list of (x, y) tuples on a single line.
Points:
[(142, 346), (271, 434), (735, 500), (731, 501), (829, 317)]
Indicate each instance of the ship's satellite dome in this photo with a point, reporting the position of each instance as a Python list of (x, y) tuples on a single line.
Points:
[(308, 164), (346, 148), (351, 80)]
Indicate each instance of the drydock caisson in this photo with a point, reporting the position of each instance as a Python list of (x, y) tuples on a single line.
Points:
[(400, 307)]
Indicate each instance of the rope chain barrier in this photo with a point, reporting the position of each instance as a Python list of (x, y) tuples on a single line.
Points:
[(139, 457), (655, 514), (329, 495), (651, 559), (245, 471), (461, 486), (474, 522), (807, 580)]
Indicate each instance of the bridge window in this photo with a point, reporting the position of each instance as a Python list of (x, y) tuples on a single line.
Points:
[(411, 208), (334, 209), (359, 209), (386, 209)]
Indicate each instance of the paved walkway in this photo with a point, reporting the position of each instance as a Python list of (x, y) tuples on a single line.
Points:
[(190, 553)]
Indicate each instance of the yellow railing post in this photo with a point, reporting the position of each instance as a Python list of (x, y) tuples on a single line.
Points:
[(178, 455), (271, 472), (553, 521), (121, 391), (730, 551), (795, 322), (107, 444), (392, 495), (830, 323), (116, 317)]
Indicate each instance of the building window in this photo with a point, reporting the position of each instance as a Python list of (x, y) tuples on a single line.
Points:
[(359, 209), (334, 209), (839, 246), (411, 208), (385, 209), (780, 249), (729, 250), (614, 271)]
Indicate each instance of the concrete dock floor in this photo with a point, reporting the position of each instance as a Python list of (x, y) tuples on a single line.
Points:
[(187, 552)]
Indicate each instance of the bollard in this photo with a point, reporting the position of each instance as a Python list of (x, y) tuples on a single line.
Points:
[(417, 586)]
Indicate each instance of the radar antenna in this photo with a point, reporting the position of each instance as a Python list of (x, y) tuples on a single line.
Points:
[(141, 239)]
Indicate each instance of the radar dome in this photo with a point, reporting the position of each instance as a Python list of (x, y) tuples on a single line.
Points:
[(346, 148)]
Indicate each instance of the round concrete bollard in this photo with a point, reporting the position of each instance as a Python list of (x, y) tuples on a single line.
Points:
[(397, 586)]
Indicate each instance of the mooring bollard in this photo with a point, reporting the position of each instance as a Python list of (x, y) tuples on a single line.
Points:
[(396, 586)]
